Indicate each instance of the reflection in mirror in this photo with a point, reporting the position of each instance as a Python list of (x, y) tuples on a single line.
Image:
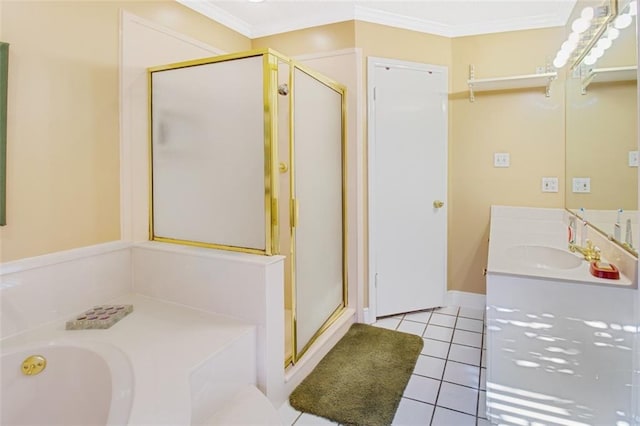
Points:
[(4, 71), (601, 133)]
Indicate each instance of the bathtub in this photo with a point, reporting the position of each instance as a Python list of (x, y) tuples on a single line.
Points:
[(83, 383), (163, 364)]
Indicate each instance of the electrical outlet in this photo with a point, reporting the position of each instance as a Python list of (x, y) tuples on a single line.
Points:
[(633, 158), (581, 185), (501, 159), (549, 184)]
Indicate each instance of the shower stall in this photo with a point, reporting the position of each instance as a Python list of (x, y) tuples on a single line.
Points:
[(247, 154)]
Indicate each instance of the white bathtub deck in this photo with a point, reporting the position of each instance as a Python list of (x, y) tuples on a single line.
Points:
[(185, 361)]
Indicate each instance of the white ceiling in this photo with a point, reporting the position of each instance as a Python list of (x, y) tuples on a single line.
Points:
[(449, 18)]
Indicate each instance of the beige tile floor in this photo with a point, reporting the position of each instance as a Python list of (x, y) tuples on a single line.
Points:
[(447, 387)]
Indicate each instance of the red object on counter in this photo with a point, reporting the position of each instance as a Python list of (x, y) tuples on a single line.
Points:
[(604, 270)]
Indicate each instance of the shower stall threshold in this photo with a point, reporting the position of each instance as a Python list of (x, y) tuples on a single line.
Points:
[(296, 373)]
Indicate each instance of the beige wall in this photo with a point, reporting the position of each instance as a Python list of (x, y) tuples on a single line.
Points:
[(324, 38), (63, 134), (524, 123), (396, 43)]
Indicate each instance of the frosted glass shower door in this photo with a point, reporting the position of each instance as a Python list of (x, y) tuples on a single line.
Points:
[(318, 168), (210, 158)]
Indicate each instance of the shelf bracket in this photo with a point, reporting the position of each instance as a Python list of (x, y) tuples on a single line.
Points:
[(472, 75), (548, 68)]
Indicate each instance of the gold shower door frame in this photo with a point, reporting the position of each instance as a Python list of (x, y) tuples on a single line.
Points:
[(341, 90), (271, 172), (269, 75)]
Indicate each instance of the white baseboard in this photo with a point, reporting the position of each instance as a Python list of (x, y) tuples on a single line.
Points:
[(465, 299), (366, 316), (453, 298)]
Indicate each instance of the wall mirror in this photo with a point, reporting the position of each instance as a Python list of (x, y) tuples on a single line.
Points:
[(4, 71), (601, 131)]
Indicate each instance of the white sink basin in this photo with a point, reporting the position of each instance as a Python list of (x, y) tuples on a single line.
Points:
[(543, 257)]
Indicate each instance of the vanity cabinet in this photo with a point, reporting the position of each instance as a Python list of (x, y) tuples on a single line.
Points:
[(559, 341), (558, 352)]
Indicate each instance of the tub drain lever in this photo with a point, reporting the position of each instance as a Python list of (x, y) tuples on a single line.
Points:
[(33, 365)]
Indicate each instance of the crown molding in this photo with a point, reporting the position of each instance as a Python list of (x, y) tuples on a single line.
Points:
[(210, 10), (375, 16), (501, 26), (367, 14), (436, 28)]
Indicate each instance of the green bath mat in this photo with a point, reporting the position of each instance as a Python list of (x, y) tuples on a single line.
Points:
[(361, 380)]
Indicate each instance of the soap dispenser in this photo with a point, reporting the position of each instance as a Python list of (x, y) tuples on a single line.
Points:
[(572, 230), (583, 230), (617, 227)]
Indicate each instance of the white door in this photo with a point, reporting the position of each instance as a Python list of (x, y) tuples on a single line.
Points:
[(407, 186)]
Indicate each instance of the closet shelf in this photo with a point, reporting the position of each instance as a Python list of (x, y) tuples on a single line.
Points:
[(510, 82), (601, 75)]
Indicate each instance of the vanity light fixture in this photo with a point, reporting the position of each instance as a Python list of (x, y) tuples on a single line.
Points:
[(621, 22), (586, 31)]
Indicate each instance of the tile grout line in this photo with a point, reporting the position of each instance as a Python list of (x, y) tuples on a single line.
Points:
[(435, 403), (450, 342), (480, 371), (480, 376)]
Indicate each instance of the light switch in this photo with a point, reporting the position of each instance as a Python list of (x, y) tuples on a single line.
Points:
[(501, 159), (581, 185), (549, 184), (633, 158)]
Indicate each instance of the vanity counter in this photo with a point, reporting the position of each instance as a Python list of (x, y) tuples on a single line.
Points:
[(558, 351), (533, 242)]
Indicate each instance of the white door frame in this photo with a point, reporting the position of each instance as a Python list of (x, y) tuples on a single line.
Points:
[(372, 63)]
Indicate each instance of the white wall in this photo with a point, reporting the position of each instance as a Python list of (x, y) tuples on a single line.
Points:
[(244, 286), (38, 290)]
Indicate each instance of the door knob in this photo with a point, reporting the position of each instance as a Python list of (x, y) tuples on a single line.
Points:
[(437, 204)]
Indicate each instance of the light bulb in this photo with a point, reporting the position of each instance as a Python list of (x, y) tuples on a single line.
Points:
[(590, 60), (559, 62), (563, 55), (633, 8), (604, 43), (597, 52), (613, 33), (574, 38), (622, 21), (587, 14), (579, 25), (568, 47)]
